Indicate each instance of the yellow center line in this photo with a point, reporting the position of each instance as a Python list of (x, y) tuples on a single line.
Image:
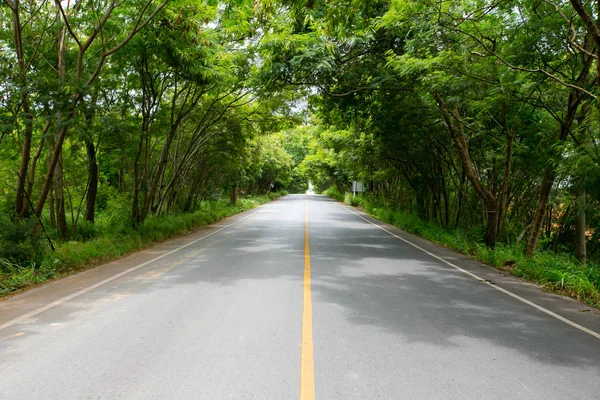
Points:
[(307, 370)]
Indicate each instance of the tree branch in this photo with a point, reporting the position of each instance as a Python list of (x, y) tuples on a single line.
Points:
[(11, 4), (586, 18), (67, 24)]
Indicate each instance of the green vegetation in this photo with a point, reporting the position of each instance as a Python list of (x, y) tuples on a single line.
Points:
[(116, 237), (124, 123), (477, 121)]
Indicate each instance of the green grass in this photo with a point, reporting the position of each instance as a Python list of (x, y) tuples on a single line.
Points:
[(15, 276), (556, 272), (114, 238), (334, 193)]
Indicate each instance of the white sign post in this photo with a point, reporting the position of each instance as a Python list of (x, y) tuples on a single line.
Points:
[(357, 187)]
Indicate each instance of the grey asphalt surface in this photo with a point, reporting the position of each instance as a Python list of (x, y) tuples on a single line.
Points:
[(222, 319)]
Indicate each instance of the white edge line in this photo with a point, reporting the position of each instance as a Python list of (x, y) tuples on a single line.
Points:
[(472, 275), (112, 278)]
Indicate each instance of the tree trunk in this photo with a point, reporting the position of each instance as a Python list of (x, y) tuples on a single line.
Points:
[(549, 175), (31, 179), (20, 203), (580, 238), (460, 142), (339, 186), (460, 198), (158, 174), (573, 102), (122, 185), (62, 127), (51, 196), (540, 210), (234, 195), (504, 191), (188, 201), (90, 199), (92, 185), (61, 218), (59, 198), (135, 177), (491, 230)]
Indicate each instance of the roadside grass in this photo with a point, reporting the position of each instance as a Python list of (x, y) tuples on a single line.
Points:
[(555, 272), (114, 237)]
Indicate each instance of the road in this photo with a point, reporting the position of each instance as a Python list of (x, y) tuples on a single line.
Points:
[(245, 310)]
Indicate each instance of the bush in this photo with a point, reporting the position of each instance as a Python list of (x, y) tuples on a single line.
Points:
[(334, 193), (115, 219), (17, 277), (85, 231), (20, 242)]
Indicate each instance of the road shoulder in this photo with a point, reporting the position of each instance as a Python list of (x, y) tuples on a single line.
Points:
[(579, 313), (24, 303)]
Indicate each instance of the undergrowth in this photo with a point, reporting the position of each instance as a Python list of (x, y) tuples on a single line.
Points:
[(554, 271), (113, 236)]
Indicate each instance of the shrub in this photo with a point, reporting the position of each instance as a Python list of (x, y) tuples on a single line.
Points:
[(16, 277), (334, 193), (352, 200), (116, 217), (21, 240)]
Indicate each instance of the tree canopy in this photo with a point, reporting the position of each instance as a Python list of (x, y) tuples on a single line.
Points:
[(474, 115)]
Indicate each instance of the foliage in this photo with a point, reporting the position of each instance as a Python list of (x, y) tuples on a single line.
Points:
[(457, 112), (21, 241), (118, 121), (477, 117)]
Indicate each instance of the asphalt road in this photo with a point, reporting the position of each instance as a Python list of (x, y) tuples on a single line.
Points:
[(243, 310)]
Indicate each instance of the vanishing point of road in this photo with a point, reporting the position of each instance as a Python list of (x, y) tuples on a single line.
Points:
[(302, 298)]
